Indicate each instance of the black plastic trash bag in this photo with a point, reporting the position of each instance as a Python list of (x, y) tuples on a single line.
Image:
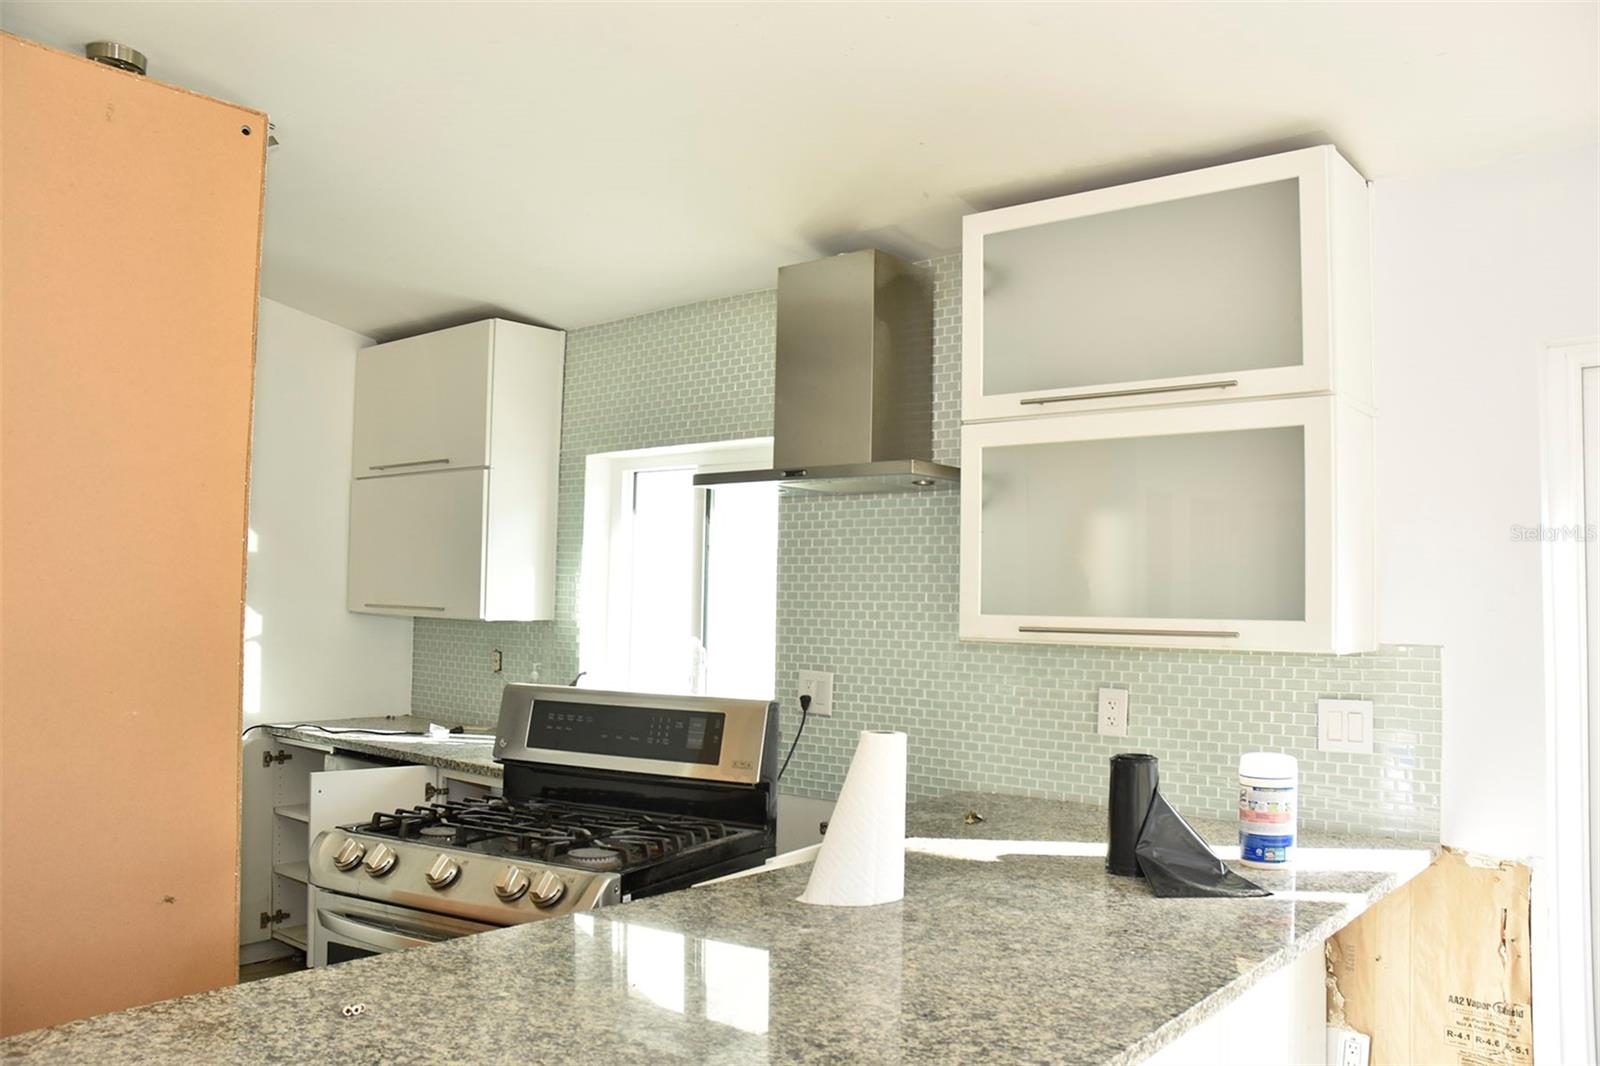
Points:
[(1150, 839), (1177, 862)]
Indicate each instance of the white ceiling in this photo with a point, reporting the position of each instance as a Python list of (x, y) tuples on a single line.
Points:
[(574, 163)]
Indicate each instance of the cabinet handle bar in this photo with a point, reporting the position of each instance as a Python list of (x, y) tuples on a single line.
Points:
[(405, 606), (1130, 632), (414, 462), (1151, 391)]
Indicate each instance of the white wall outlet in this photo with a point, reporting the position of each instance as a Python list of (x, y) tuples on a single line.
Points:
[(819, 686), (1346, 1047), (1344, 725), (1111, 712)]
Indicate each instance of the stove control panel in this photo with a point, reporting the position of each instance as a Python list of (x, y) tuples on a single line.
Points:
[(705, 738)]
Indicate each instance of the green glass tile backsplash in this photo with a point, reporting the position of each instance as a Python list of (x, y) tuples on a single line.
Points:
[(868, 588)]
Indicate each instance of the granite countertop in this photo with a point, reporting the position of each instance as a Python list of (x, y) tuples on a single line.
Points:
[(1020, 949), (466, 756)]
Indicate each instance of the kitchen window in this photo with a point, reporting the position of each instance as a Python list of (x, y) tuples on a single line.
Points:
[(679, 583)]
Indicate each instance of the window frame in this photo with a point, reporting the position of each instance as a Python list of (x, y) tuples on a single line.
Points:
[(605, 573)]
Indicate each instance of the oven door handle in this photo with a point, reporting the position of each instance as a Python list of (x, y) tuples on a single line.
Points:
[(373, 935)]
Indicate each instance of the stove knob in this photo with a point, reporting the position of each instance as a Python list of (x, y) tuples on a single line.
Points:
[(350, 855), (443, 873), (511, 884), (547, 890), (381, 860)]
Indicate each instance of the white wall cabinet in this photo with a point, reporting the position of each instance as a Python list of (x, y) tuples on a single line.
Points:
[(1167, 414), (1224, 525), (453, 496), (1245, 280)]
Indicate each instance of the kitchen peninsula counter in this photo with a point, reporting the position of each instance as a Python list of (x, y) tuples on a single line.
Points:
[(1012, 945)]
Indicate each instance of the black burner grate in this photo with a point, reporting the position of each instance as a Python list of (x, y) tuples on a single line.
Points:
[(548, 831)]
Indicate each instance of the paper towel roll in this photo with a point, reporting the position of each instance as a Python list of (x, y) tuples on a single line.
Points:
[(863, 856)]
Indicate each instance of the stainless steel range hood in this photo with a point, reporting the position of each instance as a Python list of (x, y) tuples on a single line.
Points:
[(853, 389)]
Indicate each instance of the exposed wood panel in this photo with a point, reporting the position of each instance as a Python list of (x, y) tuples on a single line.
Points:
[(129, 243), (1439, 972)]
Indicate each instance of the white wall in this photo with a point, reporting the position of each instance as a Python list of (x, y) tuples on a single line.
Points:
[(306, 657), (1475, 272)]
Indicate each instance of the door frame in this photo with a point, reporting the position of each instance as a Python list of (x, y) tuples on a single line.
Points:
[(1568, 1033)]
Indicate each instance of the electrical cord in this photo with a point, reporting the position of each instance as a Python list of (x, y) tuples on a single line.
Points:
[(805, 713)]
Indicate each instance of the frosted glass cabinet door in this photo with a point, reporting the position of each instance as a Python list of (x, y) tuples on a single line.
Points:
[(1204, 285), (1191, 525), (1193, 287), (1207, 526)]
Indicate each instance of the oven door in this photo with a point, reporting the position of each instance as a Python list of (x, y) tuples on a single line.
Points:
[(349, 927)]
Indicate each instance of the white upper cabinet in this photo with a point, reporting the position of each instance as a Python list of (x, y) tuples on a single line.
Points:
[(1244, 280), (456, 459), (1233, 525)]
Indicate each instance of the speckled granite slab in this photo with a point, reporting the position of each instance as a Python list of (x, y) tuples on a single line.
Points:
[(465, 756), (1002, 956)]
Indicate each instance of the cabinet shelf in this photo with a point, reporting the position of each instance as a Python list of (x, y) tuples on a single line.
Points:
[(299, 812), (293, 935), (294, 871)]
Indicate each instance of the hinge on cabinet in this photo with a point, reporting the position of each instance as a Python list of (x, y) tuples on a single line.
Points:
[(274, 918), (268, 757), (430, 790)]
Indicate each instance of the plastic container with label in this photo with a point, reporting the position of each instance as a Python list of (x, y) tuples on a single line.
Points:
[(1268, 798)]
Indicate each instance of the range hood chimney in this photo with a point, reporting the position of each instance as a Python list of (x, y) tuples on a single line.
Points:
[(853, 388)]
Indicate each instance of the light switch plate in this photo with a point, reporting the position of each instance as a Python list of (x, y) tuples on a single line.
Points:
[(1111, 712), (819, 686), (1344, 725)]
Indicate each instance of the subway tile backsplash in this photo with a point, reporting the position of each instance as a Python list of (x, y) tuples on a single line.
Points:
[(868, 588)]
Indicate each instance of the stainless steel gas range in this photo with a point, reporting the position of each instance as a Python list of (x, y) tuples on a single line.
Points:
[(609, 796)]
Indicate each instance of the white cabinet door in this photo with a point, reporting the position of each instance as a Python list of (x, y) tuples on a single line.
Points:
[(1217, 526), (1238, 281), (417, 544), (423, 403), (342, 797)]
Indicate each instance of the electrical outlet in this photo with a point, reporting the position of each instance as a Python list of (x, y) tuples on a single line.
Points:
[(819, 686), (497, 661), (1111, 712), (1344, 725), (1346, 1047)]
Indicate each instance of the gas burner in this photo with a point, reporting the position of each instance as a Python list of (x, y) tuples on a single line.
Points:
[(580, 835), (596, 858)]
